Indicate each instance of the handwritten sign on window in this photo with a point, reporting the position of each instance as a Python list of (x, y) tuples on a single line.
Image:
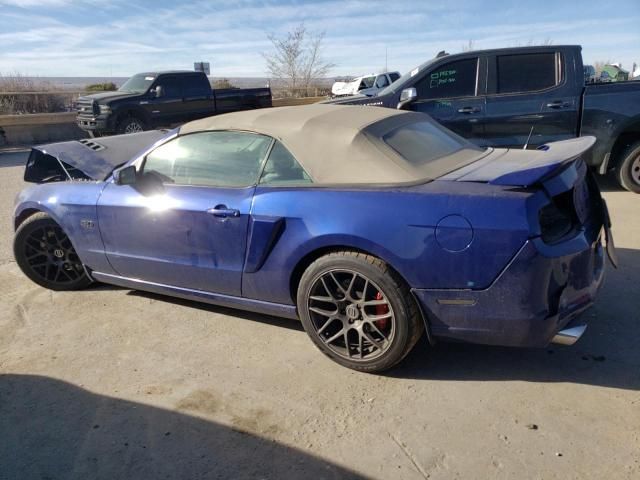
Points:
[(443, 77)]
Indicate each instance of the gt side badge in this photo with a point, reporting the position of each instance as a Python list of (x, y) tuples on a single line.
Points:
[(87, 224)]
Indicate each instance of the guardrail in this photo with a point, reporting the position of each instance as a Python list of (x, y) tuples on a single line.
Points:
[(33, 128), (37, 119)]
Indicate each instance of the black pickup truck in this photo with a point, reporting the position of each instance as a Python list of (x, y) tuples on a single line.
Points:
[(522, 98), (162, 99)]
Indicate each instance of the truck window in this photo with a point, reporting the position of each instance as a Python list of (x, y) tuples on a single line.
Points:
[(171, 85), (455, 79), (394, 76), (382, 81), (367, 82), (195, 86), (526, 72)]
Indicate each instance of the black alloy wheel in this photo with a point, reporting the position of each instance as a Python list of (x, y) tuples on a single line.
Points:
[(358, 311), (45, 254)]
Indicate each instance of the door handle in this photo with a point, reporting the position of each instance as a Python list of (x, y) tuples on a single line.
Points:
[(223, 212), (469, 110), (558, 104)]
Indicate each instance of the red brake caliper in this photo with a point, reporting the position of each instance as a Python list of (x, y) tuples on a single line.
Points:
[(381, 310)]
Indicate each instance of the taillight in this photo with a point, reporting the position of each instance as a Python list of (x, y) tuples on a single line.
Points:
[(554, 223)]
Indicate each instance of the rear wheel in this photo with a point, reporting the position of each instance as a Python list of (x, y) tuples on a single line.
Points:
[(45, 254), (628, 168), (131, 124), (358, 311)]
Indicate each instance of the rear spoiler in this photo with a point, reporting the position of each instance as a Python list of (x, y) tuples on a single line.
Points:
[(551, 157), (522, 168)]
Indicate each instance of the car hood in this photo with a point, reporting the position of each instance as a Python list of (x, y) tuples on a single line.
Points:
[(92, 159), (522, 168), (105, 97)]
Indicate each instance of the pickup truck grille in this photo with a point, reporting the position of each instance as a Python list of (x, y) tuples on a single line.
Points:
[(87, 107)]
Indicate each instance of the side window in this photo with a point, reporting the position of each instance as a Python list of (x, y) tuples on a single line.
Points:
[(455, 79), (171, 87), (526, 72), (382, 81), (221, 159), (282, 168), (367, 82), (394, 76), (195, 86)]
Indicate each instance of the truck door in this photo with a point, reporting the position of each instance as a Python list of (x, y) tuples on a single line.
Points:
[(197, 97), (450, 93), (168, 108), (530, 100)]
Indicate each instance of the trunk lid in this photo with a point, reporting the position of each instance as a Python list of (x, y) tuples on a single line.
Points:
[(522, 168)]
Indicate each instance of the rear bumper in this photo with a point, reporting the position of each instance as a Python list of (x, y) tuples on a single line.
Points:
[(541, 291)]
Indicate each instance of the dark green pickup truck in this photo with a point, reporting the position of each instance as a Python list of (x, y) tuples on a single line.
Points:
[(524, 97)]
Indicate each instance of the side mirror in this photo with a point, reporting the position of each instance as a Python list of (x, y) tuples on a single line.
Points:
[(159, 91), (407, 96), (125, 176)]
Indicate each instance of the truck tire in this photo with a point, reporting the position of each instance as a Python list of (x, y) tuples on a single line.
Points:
[(628, 168), (131, 124)]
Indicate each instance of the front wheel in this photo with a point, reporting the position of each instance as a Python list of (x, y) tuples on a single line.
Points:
[(45, 254), (628, 169), (358, 311), (131, 124)]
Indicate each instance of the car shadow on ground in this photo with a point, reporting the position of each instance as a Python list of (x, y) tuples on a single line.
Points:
[(53, 429), (607, 355), (232, 312)]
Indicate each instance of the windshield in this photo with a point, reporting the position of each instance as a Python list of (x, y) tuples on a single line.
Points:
[(430, 149), (137, 84), (367, 82), (400, 83)]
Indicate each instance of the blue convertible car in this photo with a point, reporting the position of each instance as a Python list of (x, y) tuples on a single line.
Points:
[(370, 225)]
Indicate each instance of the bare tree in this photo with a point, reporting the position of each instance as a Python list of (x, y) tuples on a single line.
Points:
[(297, 58)]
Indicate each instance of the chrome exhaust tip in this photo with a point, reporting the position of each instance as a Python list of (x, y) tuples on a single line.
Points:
[(569, 336)]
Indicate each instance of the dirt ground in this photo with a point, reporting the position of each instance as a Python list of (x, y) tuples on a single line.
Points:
[(109, 383)]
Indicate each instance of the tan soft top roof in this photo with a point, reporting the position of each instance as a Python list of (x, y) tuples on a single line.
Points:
[(334, 143)]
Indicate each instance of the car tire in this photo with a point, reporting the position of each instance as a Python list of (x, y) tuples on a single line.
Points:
[(45, 254), (628, 168), (131, 124), (358, 311)]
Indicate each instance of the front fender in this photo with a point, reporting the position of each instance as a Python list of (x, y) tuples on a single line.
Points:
[(72, 205)]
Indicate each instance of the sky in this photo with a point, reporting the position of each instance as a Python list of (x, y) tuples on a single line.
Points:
[(121, 37)]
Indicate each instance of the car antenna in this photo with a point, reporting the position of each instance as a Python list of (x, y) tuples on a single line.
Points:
[(526, 144), (441, 54)]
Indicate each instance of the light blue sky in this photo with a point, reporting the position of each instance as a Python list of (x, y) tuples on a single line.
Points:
[(121, 37)]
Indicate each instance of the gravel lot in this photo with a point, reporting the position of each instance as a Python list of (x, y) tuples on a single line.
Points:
[(109, 383)]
